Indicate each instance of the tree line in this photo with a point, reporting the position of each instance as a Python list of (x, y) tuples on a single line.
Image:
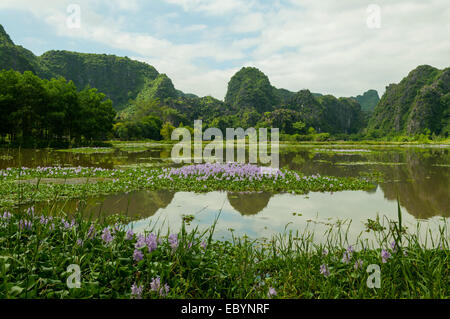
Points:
[(39, 112)]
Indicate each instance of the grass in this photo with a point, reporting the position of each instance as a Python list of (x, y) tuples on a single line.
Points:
[(35, 256), (88, 150)]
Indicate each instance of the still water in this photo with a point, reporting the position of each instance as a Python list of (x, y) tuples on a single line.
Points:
[(419, 176)]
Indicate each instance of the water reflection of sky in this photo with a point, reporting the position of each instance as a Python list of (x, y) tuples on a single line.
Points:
[(277, 215), (418, 175)]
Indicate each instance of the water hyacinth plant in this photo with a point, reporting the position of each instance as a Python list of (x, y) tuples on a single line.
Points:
[(48, 183), (116, 263)]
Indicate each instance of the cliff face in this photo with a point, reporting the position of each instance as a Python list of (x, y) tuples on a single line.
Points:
[(251, 89), (160, 88), (121, 79), (14, 56), (419, 102), (368, 100)]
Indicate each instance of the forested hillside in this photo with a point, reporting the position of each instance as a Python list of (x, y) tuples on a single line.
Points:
[(151, 107), (420, 103)]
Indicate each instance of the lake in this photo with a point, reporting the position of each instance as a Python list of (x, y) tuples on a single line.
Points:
[(418, 175)]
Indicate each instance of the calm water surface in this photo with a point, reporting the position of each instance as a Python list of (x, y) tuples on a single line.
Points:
[(419, 176)]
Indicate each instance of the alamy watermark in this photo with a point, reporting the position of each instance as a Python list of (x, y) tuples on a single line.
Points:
[(235, 138), (73, 20), (374, 16), (74, 280), (374, 279)]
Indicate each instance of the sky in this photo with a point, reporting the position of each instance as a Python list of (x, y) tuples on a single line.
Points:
[(343, 47)]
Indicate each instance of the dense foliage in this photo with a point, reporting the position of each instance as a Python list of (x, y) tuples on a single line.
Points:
[(418, 107), (420, 103), (116, 262), (251, 89), (50, 183), (37, 112)]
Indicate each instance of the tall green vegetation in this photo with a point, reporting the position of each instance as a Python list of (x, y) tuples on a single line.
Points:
[(416, 108), (39, 112), (120, 79), (418, 104), (251, 89)]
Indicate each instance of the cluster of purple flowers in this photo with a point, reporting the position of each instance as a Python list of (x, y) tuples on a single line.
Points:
[(324, 270), (91, 232), (348, 255), (25, 224), (150, 241), (5, 217), (106, 235), (221, 171), (68, 225), (385, 255), (156, 286), (136, 291), (272, 292), (358, 264), (129, 235), (394, 247), (173, 241), (138, 255), (52, 171)]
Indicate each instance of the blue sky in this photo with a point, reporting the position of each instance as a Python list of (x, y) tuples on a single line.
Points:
[(326, 46)]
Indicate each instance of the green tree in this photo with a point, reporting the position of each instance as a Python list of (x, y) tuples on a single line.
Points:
[(166, 131)]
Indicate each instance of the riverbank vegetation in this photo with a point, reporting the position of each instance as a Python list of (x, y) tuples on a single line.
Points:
[(28, 185), (39, 253), (39, 113)]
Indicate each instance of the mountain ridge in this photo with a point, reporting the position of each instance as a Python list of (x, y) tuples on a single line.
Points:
[(418, 104)]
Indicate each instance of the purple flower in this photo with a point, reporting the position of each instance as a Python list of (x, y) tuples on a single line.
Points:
[(25, 224), (324, 270), (151, 242), (6, 215), (140, 242), (203, 245), (350, 249), (394, 247), (346, 257), (129, 235), (164, 291), (324, 252), (67, 225), (138, 255), (173, 240), (91, 232), (155, 286), (136, 291), (272, 292), (43, 220), (106, 236), (358, 264), (385, 255), (80, 242)]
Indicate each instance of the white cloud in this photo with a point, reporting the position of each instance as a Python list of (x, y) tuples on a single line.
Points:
[(325, 46), (215, 7)]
